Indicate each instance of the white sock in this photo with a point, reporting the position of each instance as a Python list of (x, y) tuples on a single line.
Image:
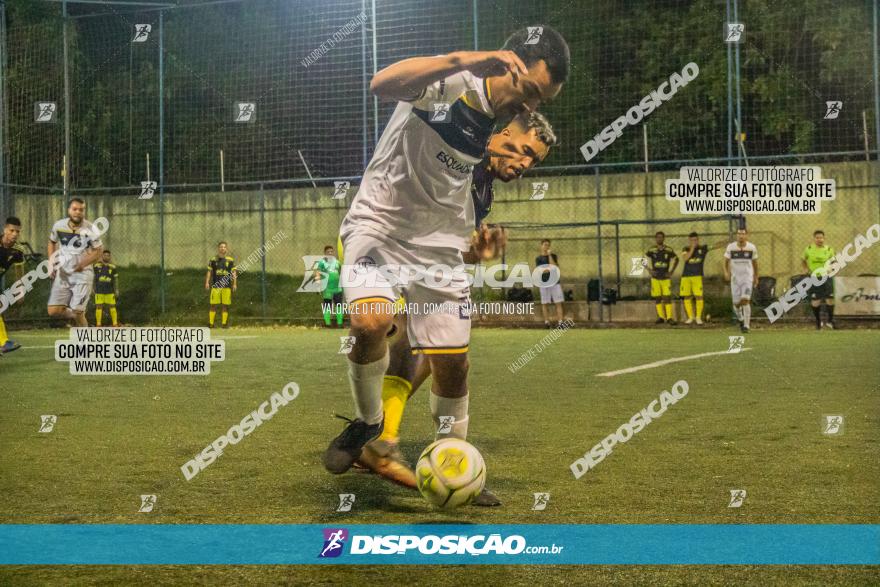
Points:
[(739, 313), (456, 407), (747, 314), (366, 388)]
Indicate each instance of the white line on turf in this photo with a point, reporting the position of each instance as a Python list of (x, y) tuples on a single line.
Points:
[(665, 362)]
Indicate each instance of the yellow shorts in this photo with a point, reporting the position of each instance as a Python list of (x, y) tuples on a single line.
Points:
[(221, 295), (661, 287), (105, 299), (691, 286)]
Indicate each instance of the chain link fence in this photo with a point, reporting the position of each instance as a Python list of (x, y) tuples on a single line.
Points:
[(248, 115)]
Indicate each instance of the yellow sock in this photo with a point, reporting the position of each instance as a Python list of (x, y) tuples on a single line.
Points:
[(113, 316), (225, 317), (3, 336), (99, 313), (660, 311), (669, 311), (211, 315), (689, 308), (700, 308), (395, 392)]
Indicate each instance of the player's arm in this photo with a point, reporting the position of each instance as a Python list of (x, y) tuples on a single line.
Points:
[(50, 250), (804, 263), (208, 279), (405, 79), (674, 263), (90, 257), (486, 244), (234, 278), (755, 271), (689, 252), (115, 283), (726, 269)]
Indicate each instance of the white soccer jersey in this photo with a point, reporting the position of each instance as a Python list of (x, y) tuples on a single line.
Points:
[(416, 188), (741, 270), (74, 243)]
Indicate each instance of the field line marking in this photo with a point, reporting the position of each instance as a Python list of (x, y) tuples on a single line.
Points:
[(665, 362)]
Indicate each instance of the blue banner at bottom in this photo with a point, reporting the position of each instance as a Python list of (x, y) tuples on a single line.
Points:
[(244, 544)]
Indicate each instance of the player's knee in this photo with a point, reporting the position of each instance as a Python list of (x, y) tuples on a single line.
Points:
[(374, 325), (56, 311)]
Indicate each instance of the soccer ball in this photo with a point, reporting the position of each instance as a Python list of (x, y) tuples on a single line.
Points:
[(450, 473)]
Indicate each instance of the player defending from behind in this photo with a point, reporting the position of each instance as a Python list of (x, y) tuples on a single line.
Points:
[(518, 147), (222, 280), (10, 257), (106, 289), (814, 259), (414, 209), (741, 270), (661, 256), (79, 246)]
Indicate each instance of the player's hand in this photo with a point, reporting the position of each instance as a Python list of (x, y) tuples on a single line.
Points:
[(727, 278), (489, 242), (234, 287), (79, 267), (492, 63), (207, 286)]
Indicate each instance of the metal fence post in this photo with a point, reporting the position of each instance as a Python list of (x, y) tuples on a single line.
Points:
[(161, 163), (67, 164), (598, 240), (263, 242), (877, 96)]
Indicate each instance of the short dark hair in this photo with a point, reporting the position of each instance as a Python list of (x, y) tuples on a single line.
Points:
[(77, 200), (545, 240), (693, 234), (550, 48), (659, 232), (328, 247), (819, 231), (106, 252), (222, 243), (13, 220)]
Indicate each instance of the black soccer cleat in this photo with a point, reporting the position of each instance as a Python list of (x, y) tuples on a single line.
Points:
[(660, 321), (346, 448), (486, 499), (744, 329), (9, 347)]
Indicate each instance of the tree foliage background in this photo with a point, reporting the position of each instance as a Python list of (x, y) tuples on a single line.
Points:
[(795, 56)]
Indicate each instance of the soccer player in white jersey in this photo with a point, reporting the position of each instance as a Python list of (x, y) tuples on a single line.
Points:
[(414, 209), (741, 269), (79, 245)]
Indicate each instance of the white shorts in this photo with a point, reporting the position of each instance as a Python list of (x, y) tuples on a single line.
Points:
[(740, 289), (552, 294), (73, 295), (438, 321)]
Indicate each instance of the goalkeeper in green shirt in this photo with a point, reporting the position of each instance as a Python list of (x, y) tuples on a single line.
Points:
[(327, 271), (814, 259)]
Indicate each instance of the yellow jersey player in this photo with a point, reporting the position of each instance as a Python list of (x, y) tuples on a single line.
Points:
[(11, 257), (663, 263), (221, 280), (691, 287), (106, 289)]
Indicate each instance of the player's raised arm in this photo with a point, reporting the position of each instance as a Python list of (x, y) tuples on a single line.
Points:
[(405, 79)]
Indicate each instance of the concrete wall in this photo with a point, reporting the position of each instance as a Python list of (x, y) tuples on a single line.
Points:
[(307, 219)]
